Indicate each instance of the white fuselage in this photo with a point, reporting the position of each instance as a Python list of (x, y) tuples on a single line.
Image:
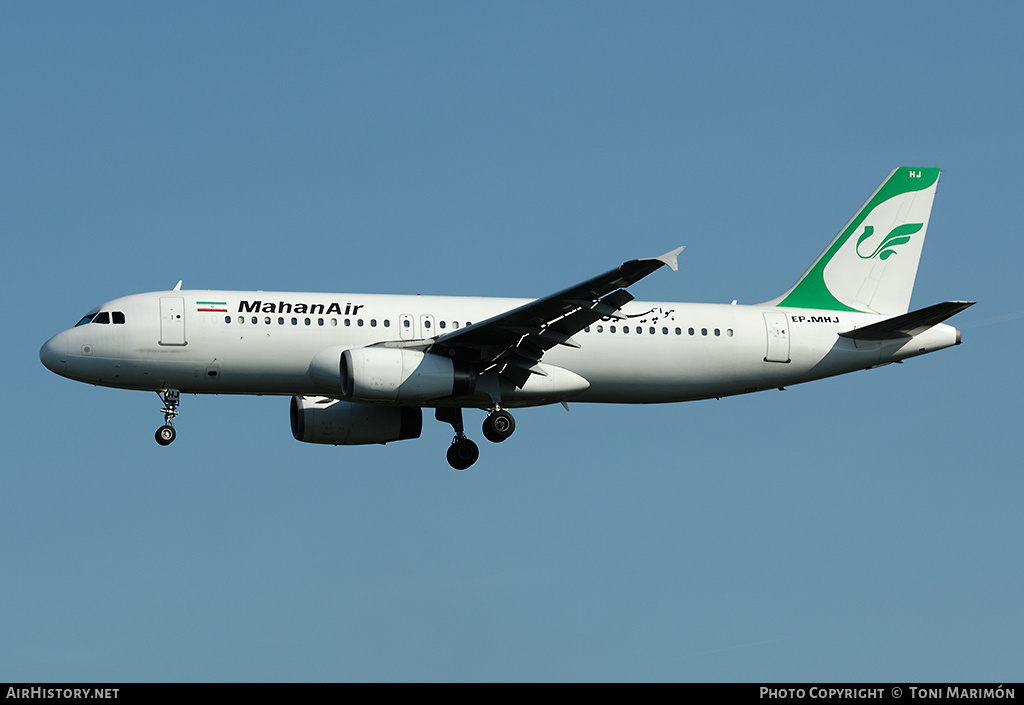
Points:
[(233, 342)]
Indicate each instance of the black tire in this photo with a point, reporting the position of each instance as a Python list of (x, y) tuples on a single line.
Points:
[(165, 435), (499, 426), (462, 453)]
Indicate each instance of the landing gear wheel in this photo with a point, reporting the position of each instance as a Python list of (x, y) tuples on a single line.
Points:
[(498, 426), (171, 398), (462, 453), (165, 435)]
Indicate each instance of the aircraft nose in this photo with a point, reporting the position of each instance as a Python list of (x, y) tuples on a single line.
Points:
[(54, 353)]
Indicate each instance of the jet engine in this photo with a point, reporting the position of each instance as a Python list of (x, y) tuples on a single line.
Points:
[(327, 420), (396, 374)]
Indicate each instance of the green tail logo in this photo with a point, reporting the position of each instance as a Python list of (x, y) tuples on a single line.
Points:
[(899, 235)]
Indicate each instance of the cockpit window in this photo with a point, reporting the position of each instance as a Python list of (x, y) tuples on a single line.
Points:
[(97, 316), (116, 317)]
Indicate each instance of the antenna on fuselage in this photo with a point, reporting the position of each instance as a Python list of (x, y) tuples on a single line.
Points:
[(177, 287)]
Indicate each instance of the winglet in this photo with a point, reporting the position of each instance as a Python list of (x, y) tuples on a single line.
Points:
[(177, 287), (669, 258)]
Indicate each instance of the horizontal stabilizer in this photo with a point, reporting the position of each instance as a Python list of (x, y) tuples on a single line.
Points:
[(909, 324)]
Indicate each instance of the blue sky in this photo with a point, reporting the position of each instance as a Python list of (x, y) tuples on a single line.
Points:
[(865, 528)]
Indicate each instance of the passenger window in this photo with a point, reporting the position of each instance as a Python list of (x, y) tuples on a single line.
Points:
[(280, 321), (690, 331), (295, 321), (664, 331), (405, 323), (373, 323), (359, 322), (611, 329), (255, 320), (267, 320), (600, 329), (441, 324), (102, 317), (117, 317), (387, 322), (227, 319)]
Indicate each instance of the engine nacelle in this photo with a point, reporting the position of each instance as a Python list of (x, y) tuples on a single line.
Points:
[(396, 374), (327, 420)]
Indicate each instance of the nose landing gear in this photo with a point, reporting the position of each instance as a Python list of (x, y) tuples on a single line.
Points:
[(165, 435)]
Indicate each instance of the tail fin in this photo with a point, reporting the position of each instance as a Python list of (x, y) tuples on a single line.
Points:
[(871, 265)]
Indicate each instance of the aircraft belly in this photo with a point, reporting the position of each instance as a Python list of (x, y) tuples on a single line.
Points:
[(205, 367), (644, 371)]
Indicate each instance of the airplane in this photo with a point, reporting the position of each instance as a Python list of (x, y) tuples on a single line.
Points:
[(360, 368)]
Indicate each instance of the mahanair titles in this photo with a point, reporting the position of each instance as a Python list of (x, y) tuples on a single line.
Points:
[(258, 306)]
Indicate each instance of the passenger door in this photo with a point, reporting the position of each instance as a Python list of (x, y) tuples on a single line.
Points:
[(172, 321), (777, 330)]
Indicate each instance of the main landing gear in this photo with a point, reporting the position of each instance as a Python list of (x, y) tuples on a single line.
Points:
[(165, 435), (463, 452), (498, 426)]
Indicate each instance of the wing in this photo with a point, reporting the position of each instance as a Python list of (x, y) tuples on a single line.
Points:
[(514, 342)]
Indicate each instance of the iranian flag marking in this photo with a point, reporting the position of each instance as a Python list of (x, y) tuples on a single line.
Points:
[(211, 306)]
